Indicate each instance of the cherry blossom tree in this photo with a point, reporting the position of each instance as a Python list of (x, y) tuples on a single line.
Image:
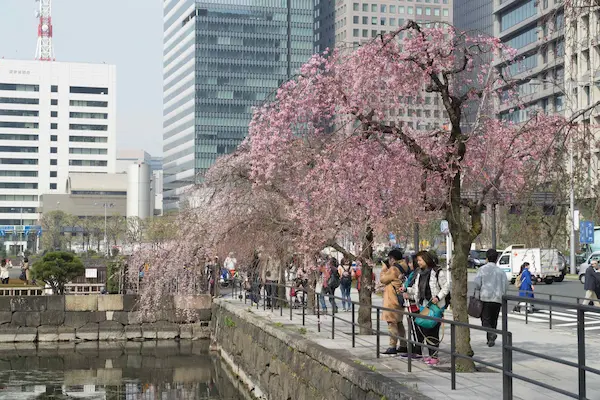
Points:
[(356, 102)]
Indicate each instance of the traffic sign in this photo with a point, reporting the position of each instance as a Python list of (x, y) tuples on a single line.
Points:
[(444, 227), (586, 232)]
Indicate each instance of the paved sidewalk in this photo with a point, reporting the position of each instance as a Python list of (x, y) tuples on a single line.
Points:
[(434, 382)]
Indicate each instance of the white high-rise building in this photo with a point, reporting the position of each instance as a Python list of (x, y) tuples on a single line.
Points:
[(55, 118)]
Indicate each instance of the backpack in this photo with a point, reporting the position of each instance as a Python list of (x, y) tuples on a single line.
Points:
[(448, 297), (346, 277), (518, 281), (334, 280)]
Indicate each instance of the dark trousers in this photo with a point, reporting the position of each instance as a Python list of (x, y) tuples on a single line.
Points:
[(489, 317), (430, 337), (271, 291)]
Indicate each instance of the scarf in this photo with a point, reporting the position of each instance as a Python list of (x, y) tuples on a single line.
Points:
[(424, 289)]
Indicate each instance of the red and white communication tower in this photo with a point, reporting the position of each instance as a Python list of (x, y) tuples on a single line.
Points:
[(44, 51)]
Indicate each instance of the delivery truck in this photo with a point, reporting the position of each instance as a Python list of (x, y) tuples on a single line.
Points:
[(544, 264)]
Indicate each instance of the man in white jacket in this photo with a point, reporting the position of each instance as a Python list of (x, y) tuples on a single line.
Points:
[(492, 284)]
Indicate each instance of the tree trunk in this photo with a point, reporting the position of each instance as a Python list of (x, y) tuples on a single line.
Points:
[(462, 245), (366, 285)]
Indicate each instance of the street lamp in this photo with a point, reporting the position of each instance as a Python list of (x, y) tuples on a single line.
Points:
[(20, 222), (106, 207)]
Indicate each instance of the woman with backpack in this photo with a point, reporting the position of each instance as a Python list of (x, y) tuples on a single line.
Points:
[(333, 282), (430, 290), (345, 271)]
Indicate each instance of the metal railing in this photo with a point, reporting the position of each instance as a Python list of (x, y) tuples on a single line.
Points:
[(276, 301), (552, 306), (272, 298), (580, 365)]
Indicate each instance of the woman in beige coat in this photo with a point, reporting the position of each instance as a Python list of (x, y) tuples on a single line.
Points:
[(391, 277)]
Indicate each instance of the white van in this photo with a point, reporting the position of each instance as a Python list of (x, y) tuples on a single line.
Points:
[(544, 264)]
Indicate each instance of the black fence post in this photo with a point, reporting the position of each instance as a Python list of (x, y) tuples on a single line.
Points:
[(318, 299), (303, 313), (378, 333), (550, 311), (280, 301), (527, 312), (409, 345), (453, 356), (332, 324), (506, 354), (291, 304), (581, 350), (353, 328)]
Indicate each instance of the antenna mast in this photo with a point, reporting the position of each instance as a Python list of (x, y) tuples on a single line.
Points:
[(44, 50)]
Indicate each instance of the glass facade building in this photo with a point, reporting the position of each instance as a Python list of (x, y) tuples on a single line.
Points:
[(222, 58)]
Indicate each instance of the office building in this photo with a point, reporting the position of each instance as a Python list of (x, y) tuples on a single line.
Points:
[(349, 22), (220, 60), (55, 118), (536, 30)]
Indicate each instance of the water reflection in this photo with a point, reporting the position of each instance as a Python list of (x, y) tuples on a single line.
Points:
[(165, 370)]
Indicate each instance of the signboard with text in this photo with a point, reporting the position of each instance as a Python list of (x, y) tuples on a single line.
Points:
[(586, 232)]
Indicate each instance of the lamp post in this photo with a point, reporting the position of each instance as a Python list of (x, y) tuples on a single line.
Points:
[(20, 223)]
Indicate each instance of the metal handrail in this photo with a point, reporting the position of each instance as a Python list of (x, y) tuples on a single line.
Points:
[(507, 346)]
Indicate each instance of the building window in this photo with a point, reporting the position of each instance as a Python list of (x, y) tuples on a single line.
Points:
[(365, 7), (419, 11), (54, 102), (445, 12), (355, 32), (373, 20), (54, 89), (85, 103), (355, 6), (88, 163), (22, 125), (355, 19), (436, 12), (365, 33), (383, 8), (410, 10), (382, 20), (53, 162), (392, 21), (19, 88), (12, 100), (54, 150), (54, 114), (53, 174), (392, 9), (53, 186), (85, 127), (374, 8), (53, 138), (427, 11), (373, 33), (53, 126), (365, 20), (88, 90), (400, 9)]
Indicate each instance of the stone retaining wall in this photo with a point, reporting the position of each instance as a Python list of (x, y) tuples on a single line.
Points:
[(277, 364), (100, 317)]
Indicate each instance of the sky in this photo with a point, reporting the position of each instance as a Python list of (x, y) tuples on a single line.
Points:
[(126, 33)]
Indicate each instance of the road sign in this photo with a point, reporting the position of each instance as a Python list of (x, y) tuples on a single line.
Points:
[(444, 227), (586, 232)]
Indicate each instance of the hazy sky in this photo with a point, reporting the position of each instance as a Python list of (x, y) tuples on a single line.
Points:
[(127, 33)]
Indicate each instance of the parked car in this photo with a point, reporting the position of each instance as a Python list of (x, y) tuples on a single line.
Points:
[(476, 258), (594, 256)]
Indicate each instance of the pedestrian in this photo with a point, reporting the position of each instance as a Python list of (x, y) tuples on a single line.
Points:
[(430, 287), (526, 288), (4, 273), (333, 282), (345, 271), (321, 287), (491, 283), (392, 277), (26, 270), (411, 306), (592, 283)]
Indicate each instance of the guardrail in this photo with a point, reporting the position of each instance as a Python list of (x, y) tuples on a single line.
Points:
[(267, 293), (552, 306)]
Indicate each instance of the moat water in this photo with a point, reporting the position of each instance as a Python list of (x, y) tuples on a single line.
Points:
[(166, 370)]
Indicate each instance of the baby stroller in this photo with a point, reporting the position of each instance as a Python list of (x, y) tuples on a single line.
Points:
[(298, 293)]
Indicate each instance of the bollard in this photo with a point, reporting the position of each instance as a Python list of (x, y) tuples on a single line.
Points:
[(453, 356), (378, 333), (353, 328)]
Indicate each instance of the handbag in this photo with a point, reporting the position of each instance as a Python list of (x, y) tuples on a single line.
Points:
[(475, 308), (23, 276), (430, 310)]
